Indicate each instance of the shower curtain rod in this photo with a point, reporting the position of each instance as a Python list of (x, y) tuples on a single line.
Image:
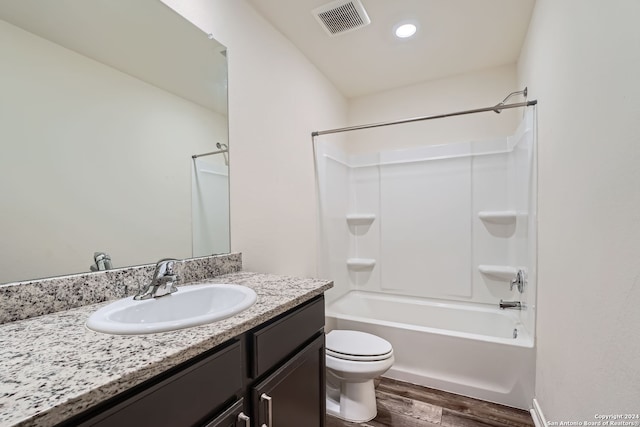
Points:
[(495, 108), (195, 156)]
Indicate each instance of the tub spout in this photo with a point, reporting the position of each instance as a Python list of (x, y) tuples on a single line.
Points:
[(517, 305)]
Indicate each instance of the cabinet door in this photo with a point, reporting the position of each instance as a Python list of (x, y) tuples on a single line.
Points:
[(294, 395), (232, 417)]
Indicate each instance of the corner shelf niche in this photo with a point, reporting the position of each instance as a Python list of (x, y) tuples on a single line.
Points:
[(360, 264), (501, 272), (498, 217), (360, 219)]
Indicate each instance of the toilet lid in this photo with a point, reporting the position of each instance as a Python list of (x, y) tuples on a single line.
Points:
[(356, 345)]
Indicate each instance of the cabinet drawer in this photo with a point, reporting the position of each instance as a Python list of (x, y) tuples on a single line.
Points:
[(184, 399), (273, 343)]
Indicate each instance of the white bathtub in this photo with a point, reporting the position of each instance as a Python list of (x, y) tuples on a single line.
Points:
[(466, 349)]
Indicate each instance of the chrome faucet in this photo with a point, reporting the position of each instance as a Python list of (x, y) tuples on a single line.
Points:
[(101, 261), (518, 281), (517, 305), (163, 281)]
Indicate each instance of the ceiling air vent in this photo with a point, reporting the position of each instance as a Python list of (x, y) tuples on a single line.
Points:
[(341, 16)]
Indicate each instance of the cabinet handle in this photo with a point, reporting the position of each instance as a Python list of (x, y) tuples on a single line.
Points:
[(243, 417), (265, 397)]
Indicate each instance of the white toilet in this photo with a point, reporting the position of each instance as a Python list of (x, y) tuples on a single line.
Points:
[(354, 359)]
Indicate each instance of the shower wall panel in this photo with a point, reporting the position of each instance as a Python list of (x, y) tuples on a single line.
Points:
[(522, 190), (334, 203), (365, 183), (425, 226), (490, 240)]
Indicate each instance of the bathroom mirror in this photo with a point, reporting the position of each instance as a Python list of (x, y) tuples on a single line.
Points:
[(103, 103)]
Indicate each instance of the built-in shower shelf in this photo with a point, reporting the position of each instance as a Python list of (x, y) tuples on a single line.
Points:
[(498, 217), (501, 272), (360, 219), (360, 264)]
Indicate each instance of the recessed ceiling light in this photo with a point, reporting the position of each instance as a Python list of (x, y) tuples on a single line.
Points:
[(405, 30)]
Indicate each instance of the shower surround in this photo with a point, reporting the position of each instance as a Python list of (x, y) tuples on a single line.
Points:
[(422, 244)]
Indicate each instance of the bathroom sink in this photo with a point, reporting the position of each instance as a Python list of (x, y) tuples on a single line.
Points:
[(189, 306)]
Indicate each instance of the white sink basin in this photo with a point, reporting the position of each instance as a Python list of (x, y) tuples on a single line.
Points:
[(189, 306)]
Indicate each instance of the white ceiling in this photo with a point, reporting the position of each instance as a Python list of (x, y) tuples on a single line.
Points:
[(454, 37)]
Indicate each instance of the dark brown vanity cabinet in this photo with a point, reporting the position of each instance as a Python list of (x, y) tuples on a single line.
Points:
[(287, 366), (272, 375)]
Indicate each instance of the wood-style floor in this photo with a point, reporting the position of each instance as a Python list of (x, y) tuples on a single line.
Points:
[(407, 405)]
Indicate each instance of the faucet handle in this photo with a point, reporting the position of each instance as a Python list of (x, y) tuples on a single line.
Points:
[(167, 261), (518, 281), (164, 267)]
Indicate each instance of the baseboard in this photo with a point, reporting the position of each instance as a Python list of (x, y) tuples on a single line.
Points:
[(538, 417)]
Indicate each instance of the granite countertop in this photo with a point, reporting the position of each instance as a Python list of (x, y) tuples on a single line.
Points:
[(52, 367)]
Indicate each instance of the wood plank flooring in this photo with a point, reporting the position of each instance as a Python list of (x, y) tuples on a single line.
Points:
[(406, 405)]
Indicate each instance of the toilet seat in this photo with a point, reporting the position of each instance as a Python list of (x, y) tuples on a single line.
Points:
[(357, 346), (355, 358)]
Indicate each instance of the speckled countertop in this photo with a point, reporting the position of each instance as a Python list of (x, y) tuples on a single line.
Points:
[(52, 367)]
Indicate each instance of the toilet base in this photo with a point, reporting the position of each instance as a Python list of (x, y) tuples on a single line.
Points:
[(357, 402)]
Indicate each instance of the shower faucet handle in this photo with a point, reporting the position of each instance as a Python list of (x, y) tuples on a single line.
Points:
[(518, 281)]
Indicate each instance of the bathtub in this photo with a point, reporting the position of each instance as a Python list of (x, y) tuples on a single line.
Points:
[(462, 348)]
